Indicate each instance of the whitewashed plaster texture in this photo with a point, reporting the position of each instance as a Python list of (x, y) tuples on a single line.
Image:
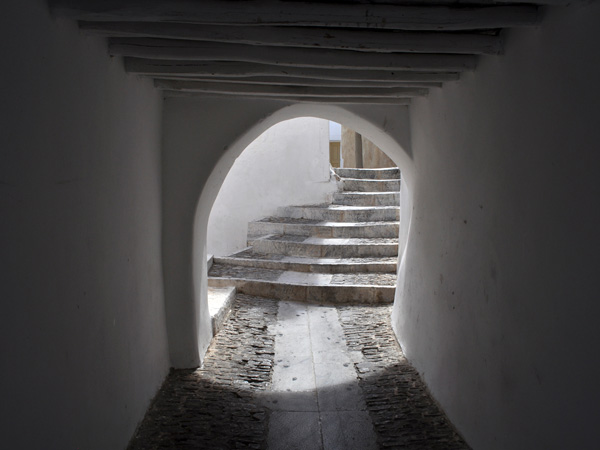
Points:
[(202, 139), (286, 165), (82, 328), (497, 305)]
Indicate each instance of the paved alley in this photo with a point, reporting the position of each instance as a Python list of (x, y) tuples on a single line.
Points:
[(286, 375)]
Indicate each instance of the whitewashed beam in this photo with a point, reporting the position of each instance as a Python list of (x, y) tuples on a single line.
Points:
[(173, 49), (292, 99), (304, 13), (290, 81), (236, 70), (296, 91), (331, 38)]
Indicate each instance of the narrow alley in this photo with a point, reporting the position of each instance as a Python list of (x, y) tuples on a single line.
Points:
[(285, 375)]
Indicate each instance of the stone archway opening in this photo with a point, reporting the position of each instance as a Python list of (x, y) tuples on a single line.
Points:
[(287, 225), (351, 119)]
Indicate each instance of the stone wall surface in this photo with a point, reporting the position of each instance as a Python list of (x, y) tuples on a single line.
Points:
[(495, 305), (82, 328)]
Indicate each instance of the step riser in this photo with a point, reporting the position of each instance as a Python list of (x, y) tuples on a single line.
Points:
[(313, 268), (323, 251), (338, 294), (366, 199), (372, 174), (218, 316), (366, 231), (370, 186), (385, 215)]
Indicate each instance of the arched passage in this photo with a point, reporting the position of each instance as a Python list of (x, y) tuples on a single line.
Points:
[(198, 151)]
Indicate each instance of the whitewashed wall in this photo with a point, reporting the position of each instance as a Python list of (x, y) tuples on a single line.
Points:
[(83, 342), (286, 165), (498, 306)]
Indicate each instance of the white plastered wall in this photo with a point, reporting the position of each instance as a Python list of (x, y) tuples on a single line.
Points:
[(83, 341), (286, 165), (497, 305)]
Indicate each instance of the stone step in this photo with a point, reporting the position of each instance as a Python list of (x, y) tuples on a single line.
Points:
[(371, 174), (341, 213), (355, 184), (220, 300), (341, 288), (316, 247), (308, 227), (367, 198), (250, 258)]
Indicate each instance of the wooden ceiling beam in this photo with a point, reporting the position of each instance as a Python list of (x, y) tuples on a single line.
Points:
[(290, 81), (210, 69), (330, 38), (296, 91), (172, 49), (302, 13), (292, 99)]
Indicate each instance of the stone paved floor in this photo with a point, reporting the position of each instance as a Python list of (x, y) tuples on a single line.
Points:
[(285, 375)]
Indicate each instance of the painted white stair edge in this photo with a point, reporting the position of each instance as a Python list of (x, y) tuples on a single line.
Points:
[(220, 300)]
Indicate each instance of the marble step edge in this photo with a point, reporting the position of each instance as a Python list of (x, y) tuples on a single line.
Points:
[(384, 229), (317, 294), (270, 245), (220, 301), (312, 265), (380, 173)]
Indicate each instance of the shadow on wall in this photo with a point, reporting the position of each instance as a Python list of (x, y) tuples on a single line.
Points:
[(287, 164)]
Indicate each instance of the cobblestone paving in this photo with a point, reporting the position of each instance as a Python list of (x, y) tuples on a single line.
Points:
[(403, 413), (215, 407), (220, 406), (373, 279)]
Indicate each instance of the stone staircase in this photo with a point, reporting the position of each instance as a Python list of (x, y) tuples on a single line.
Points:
[(345, 252)]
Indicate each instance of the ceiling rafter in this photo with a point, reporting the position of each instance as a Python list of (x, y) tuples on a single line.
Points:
[(173, 49), (292, 99), (298, 91), (303, 37), (292, 81), (158, 68), (304, 13)]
